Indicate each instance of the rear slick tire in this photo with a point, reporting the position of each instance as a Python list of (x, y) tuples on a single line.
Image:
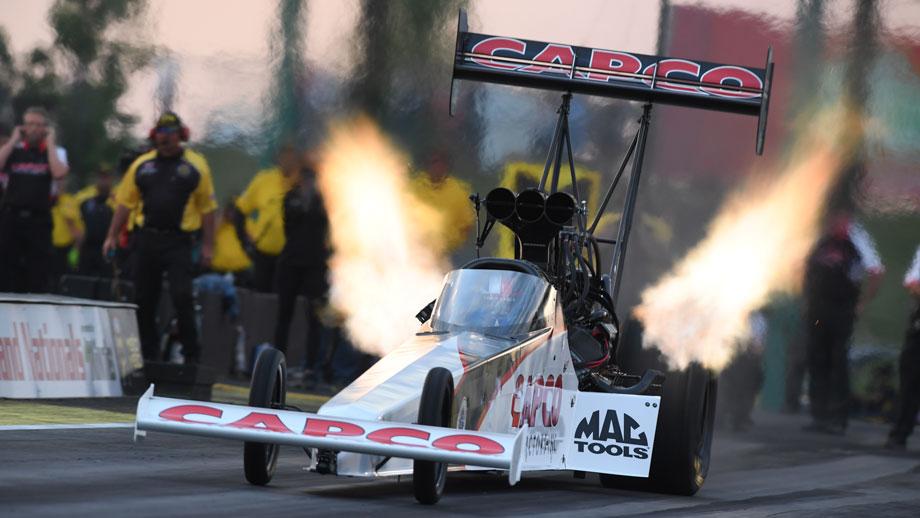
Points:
[(434, 409), (683, 440), (268, 389)]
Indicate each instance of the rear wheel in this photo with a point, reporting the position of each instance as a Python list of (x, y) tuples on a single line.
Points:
[(683, 439), (434, 409), (267, 390)]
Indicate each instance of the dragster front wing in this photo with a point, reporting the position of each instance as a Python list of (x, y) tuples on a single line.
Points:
[(606, 433), (269, 425)]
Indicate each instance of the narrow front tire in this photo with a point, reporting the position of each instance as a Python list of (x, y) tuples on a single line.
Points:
[(268, 389), (434, 409)]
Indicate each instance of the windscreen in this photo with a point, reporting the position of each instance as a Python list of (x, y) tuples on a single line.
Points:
[(496, 302)]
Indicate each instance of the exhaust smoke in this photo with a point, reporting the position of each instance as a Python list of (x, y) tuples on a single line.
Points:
[(385, 265), (755, 246)]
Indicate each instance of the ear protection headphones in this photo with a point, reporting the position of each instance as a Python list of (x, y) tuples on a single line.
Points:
[(170, 119)]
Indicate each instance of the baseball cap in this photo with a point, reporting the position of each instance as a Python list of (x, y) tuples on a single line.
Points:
[(169, 120)]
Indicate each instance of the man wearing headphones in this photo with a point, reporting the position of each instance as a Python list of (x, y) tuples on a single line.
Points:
[(30, 159), (172, 187)]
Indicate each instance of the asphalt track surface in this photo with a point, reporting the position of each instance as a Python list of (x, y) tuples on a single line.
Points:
[(773, 470)]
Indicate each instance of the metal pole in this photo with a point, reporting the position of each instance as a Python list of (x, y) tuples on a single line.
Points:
[(563, 135), (582, 217), (616, 180), (619, 254), (557, 165), (557, 134)]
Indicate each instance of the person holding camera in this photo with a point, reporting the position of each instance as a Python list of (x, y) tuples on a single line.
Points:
[(31, 159)]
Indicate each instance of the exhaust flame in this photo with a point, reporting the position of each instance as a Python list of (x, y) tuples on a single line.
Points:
[(383, 269), (756, 245)]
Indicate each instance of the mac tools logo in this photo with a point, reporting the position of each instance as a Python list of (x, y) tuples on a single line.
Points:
[(617, 435)]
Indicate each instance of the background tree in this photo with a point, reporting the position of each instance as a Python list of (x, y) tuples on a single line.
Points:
[(402, 77)]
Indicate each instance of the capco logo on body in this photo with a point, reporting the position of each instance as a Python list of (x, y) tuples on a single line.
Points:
[(612, 436), (538, 402)]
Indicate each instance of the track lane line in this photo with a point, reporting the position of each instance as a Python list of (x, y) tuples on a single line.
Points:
[(88, 426)]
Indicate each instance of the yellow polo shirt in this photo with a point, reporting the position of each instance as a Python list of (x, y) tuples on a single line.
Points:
[(263, 205), (201, 201)]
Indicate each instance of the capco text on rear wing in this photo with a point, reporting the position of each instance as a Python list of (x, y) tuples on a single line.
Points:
[(619, 74)]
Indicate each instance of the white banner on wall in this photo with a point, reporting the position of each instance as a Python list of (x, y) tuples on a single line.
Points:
[(59, 347)]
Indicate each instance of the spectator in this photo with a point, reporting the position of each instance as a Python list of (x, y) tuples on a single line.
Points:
[(834, 276), (787, 319), (909, 364), (259, 223), (31, 158), (302, 265), (173, 188), (96, 213), (66, 230), (124, 257), (229, 256), (742, 379)]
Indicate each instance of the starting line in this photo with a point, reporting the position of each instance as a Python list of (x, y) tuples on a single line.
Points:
[(91, 426)]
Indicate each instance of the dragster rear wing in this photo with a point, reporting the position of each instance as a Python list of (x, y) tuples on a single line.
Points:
[(609, 73)]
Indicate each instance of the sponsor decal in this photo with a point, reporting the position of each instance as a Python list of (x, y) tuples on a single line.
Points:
[(538, 402), (147, 168), (401, 435), (610, 61), (552, 53), (541, 443), (616, 435), (611, 433), (677, 69), (492, 46), (607, 66), (63, 350), (729, 75), (30, 168), (51, 358)]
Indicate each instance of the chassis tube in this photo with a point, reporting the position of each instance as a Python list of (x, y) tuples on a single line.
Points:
[(629, 206)]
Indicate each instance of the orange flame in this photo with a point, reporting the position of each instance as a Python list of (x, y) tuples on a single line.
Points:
[(383, 269), (756, 245)]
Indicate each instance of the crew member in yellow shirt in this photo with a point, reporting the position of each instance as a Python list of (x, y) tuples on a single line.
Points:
[(66, 230), (261, 206), (173, 186), (229, 256)]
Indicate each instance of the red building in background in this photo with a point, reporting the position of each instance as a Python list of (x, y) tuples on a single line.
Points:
[(691, 143)]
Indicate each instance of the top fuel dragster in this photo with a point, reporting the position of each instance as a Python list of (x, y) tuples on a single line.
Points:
[(515, 365)]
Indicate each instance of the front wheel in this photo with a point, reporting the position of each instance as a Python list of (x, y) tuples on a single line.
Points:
[(267, 390), (434, 409)]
